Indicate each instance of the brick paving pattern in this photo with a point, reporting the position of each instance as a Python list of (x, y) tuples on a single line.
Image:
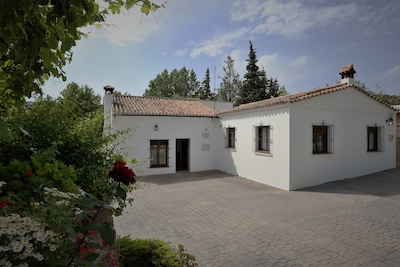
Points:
[(226, 220)]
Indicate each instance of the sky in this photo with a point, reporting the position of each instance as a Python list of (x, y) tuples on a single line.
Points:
[(302, 43)]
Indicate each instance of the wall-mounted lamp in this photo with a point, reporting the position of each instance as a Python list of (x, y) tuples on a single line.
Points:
[(389, 121), (156, 127)]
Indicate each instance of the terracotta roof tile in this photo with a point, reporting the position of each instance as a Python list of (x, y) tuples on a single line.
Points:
[(296, 97), (156, 106), (347, 69)]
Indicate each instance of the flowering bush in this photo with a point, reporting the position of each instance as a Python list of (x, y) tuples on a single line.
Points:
[(121, 173), (44, 225), (25, 240)]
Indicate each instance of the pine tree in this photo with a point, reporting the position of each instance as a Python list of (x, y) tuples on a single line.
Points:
[(254, 84), (230, 85), (273, 88), (205, 92), (194, 84)]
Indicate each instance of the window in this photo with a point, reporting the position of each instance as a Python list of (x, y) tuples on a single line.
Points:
[(374, 139), (230, 132), (322, 139), (158, 153), (263, 139)]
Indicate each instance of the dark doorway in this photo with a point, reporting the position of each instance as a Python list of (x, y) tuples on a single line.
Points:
[(182, 154)]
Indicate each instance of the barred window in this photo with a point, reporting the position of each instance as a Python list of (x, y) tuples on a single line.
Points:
[(158, 153)]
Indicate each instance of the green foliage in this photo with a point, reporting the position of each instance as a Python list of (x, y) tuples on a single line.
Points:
[(388, 99), (256, 85), (151, 252), (231, 82), (37, 36), (42, 169), (72, 130), (204, 91), (253, 87), (79, 101), (179, 83), (145, 253)]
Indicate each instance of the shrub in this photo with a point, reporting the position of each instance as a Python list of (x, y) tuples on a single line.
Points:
[(145, 253), (152, 253)]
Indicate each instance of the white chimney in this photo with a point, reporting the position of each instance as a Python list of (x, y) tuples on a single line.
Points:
[(347, 72), (108, 112)]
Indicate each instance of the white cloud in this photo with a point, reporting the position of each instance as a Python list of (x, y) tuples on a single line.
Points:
[(300, 61), (130, 26), (216, 45), (181, 52), (293, 18), (267, 60), (395, 71)]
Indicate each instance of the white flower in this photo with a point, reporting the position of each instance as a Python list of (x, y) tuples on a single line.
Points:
[(38, 256), (17, 247), (2, 183)]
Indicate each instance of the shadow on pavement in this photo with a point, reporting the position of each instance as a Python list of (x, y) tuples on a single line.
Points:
[(382, 184), (182, 177)]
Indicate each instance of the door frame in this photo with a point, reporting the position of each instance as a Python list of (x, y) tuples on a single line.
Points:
[(182, 154)]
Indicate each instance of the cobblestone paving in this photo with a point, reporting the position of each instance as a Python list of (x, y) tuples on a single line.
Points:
[(226, 220)]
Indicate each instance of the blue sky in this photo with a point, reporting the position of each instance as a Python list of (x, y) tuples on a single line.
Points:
[(303, 43)]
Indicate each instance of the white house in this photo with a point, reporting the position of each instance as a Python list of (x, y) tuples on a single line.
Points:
[(289, 142)]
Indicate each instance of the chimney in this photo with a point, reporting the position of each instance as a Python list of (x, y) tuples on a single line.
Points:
[(347, 72), (108, 111), (108, 89)]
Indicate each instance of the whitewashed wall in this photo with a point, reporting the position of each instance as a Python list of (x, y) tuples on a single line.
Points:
[(350, 112), (137, 142), (271, 169)]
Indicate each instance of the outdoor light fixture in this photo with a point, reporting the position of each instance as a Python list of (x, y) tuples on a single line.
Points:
[(389, 121), (156, 127)]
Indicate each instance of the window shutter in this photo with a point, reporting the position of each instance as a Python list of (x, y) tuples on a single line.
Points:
[(381, 138), (226, 139), (331, 139), (254, 138), (270, 139)]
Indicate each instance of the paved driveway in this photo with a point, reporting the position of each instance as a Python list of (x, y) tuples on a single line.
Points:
[(226, 220)]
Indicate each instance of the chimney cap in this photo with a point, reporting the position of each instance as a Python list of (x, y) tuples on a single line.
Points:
[(347, 72), (347, 69), (108, 89)]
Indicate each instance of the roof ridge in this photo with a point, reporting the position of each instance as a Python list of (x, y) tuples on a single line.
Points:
[(159, 97)]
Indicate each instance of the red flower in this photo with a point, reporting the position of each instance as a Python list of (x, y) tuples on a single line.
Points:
[(29, 173), (3, 203), (121, 173)]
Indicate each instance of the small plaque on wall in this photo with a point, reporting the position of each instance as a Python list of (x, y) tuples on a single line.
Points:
[(205, 147)]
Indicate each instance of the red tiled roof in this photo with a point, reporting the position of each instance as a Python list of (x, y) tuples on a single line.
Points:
[(156, 106), (296, 97)]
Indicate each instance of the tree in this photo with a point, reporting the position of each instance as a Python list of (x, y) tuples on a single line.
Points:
[(160, 86), (254, 84), (179, 83), (79, 101), (194, 84), (389, 99), (204, 92), (231, 82), (37, 36), (69, 125), (273, 89)]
